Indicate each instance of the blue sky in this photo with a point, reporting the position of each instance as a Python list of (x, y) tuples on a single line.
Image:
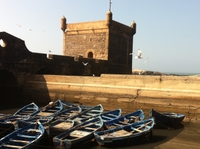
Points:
[(168, 31)]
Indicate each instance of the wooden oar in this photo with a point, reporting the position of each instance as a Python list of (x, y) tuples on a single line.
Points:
[(138, 129), (80, 127), (48, 106)]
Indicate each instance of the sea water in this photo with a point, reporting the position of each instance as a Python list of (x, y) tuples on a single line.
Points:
[(181, 73)]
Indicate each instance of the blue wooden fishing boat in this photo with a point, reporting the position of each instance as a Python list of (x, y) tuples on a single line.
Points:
[(129, 118), (79, 134), (59, 126), (168, 120), (43, 120), (61, 122), (111, 115), (88, 113), (8, 123), (45, 115), (27, 110), (23, 138), (50, 109), (126, 134), (67, 113)]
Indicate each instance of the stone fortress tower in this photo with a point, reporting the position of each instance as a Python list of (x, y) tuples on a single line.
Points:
[(104, 40)]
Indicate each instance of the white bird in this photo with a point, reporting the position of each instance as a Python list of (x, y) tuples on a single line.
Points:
[(28, 28), (85, 64), (2, 43), (131, 53), (139, 55), (18, 25)]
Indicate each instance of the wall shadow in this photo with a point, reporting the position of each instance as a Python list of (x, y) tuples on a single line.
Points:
[(13, 95), (35, 90)]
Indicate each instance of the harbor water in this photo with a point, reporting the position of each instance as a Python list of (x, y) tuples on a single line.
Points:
[(184, 137)]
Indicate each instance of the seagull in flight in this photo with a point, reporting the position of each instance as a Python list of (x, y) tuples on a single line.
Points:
[(19, 25), (139, 55), (85, 64)]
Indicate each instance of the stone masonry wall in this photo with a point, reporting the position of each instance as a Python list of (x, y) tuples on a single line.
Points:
[(128, 92), (85, 37)]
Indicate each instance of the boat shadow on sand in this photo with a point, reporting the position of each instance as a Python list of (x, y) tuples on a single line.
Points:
[(162, 135)]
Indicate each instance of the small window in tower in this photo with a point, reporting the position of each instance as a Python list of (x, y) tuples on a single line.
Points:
[(90, 39), (90, 55)]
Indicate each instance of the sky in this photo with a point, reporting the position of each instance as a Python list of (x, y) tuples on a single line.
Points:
[(167, 33)]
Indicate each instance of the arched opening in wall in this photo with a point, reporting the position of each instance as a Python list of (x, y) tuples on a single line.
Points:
[(9, 89), (3, 43), (45, 71), (90, 55), (7, 78)]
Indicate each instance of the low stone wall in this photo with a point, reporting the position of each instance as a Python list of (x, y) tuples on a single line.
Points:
[(128, 92)]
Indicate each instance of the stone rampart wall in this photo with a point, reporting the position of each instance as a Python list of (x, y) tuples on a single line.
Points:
[(175, 87), (164, 93)]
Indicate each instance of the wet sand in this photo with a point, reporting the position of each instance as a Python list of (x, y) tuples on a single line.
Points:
[(184, 137)]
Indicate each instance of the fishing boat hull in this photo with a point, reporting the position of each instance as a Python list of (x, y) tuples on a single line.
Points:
[(87, 114), (129, 118), (61, 123), (79, 134), (8, 123), (23, 138), (168, 119), (43, 120), (67, 113), (125, 141), (27, 110), (59, 126), (111, 115), (126, 135), (50, 109)]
